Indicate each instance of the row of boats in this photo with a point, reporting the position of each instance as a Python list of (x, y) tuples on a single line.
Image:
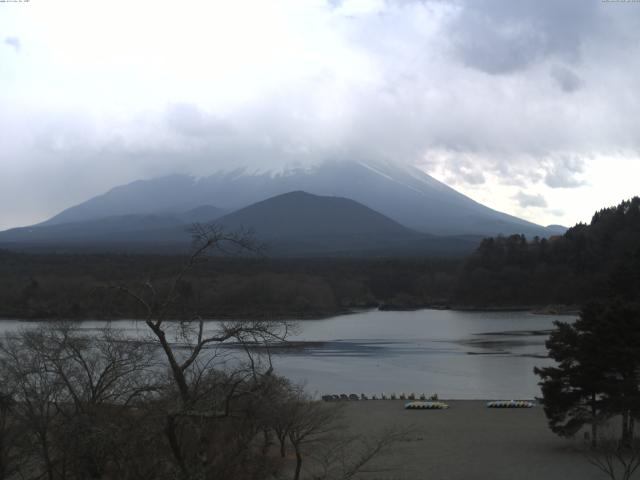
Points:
[(422, 402), (383, 396), (429, 405)]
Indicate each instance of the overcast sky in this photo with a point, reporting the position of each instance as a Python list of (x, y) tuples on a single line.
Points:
[(531, 107)]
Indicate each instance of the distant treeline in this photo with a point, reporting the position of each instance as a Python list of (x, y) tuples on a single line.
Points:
[(588, 262), (85, 286)]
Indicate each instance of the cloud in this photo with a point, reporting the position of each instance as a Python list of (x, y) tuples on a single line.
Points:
[(567, 79), (556, 212), (527, 200), (13, 42), (357, 7), (189, 120), (496, 49), (459, 170), (473, 177), (476, 89), (563, 173), (500, 37)]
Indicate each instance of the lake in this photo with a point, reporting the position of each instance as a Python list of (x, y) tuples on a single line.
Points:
[(455, 354)]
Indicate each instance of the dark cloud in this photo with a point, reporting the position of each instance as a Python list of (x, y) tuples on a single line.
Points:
[(526, 200), (13, 42), (566, 78), (500, 37), (476, 88), (564, 173), (483, 45)]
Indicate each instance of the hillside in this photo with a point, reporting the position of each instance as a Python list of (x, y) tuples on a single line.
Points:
[(403, 193), (292, 224), (130, 232), (301, 224), (587, 262)]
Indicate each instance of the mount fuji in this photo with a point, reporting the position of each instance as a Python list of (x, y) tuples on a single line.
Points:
[(403, 193), (162, 208)]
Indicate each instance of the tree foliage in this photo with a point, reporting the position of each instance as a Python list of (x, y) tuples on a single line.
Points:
[(588, 261), (597, 371)]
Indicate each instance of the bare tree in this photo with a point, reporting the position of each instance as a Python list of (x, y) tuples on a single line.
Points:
[(315, 431), (204, 381), (106, 368), (194, 400), (11, 460), (69, 388), (345, 456), (309, 422), (617, 459), (158, 305), (37, 393)]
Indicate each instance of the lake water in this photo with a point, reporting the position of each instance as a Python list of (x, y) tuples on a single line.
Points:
[(479, 355)]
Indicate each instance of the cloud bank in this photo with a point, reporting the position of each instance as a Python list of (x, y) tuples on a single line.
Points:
[(484, 94)]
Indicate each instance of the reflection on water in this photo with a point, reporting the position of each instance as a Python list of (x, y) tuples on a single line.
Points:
[(454, 354)]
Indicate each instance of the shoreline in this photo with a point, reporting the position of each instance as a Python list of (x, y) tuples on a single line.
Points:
[(561, 310)]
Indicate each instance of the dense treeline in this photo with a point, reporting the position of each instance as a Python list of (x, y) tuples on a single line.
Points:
[(504, 272), (589, 261), (595, 379), (81, 286)]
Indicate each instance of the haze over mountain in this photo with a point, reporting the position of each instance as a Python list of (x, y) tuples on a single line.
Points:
[(403, 193), (292, 224), (139, 232)]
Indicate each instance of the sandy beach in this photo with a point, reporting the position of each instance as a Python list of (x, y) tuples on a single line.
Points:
[(469, 441)]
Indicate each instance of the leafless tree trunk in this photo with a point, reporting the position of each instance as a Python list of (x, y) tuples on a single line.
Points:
[(191, 371), (617, 459), (66, 384), (315, 425), (10, 459)]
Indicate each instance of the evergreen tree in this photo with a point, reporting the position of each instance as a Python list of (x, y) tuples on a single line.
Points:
[(597, 375), (573, 389)]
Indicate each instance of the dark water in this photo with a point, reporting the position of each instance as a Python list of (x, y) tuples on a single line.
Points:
[(454, 354)]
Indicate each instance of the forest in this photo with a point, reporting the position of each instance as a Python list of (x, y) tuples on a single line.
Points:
[(84, 286), (586, 262)]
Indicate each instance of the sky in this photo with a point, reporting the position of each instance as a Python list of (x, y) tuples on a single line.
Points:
[(530, 107)]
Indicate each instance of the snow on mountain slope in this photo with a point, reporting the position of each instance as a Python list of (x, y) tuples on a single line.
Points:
[(403, 193)]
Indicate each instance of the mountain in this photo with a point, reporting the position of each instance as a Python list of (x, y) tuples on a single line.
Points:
[(201, 214), (405, 194), (127, 232), (299, 223), (553, 230), (302, 215), (292, 225)]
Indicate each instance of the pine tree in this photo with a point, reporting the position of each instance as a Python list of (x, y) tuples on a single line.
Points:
[(597, 375)]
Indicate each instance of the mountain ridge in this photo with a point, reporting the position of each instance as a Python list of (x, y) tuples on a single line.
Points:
[(294, 224), (405, 194)]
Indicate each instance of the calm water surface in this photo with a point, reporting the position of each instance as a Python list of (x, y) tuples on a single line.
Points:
[(454, 354)]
